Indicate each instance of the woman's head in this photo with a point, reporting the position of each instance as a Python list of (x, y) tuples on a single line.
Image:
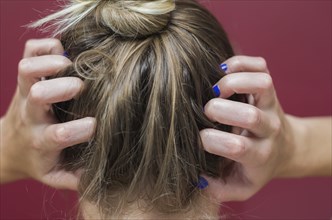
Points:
[(148, 69)]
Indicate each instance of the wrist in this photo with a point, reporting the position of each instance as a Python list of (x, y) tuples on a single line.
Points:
[(296, 149), (311, 148), (8, 173)]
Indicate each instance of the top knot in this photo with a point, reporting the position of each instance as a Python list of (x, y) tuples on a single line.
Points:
[(134, 18), (129, 18)]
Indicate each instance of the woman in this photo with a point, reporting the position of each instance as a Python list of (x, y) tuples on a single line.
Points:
[(208, 108), (144, 86)]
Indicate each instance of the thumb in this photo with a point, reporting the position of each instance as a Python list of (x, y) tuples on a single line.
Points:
[(230, 190), (61, 179)]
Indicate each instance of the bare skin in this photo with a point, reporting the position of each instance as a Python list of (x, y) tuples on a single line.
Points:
[(31, 140), (270, 144), (268, 137)]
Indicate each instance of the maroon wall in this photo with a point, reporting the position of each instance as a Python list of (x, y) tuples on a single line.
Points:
[(294, 37)]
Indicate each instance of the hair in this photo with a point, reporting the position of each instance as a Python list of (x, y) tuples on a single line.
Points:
[(148, 69)]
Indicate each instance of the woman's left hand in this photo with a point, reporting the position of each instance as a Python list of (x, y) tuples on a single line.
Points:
[(264, 143)]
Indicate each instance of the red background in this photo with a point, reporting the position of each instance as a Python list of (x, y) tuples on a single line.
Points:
[(294, 37)]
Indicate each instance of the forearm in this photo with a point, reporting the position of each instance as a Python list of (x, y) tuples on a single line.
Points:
[(312, 154)]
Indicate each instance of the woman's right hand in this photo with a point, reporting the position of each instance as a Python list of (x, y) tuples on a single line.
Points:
[(270, 144), (31, 138)]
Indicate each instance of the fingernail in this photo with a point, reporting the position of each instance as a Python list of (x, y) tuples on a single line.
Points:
[(66, 54), (223, 67), (202, 183), (216, 90)]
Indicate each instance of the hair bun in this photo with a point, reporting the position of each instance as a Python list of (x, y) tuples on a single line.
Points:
[(135, 18)]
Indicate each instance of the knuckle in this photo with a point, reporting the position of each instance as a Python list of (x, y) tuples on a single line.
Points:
[(62, 61), (211, 106), (262, 62), (236, 62), (91, 124), (36, 93), (228, 83), (54, 43), (60, 137), (54, 46), (29, 44), (239, 148), (226, 80), (23, 66), (253, 117), (265, 155), (214, 104), (204, 135), (276, 126), (267, 82), (73, 88), (77, 84), (36, 144)]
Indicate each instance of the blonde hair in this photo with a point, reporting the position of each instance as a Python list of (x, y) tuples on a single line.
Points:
[(145, 15), (148, 69)]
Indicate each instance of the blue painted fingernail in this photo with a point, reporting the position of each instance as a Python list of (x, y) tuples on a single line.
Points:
[(202, 183), (224, 67), (66, 54), (216, 90)]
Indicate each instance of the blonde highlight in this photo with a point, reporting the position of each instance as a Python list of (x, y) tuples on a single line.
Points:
[(125, 17), (146, 87)]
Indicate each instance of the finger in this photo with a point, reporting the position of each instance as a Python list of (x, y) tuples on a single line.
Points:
[(239, 115), (232, 146), (245, 64), (44, 93), (234, 189), (61, 179), (32, 69), (39, 47), (260, 85), (59, 136)]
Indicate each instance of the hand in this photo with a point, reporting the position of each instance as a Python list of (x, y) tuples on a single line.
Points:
[(31, 139), (262, 143)]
